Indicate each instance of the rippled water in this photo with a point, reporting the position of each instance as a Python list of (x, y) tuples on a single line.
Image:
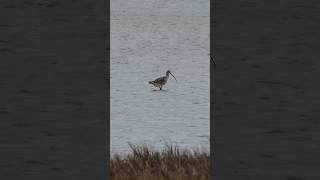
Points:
[(149, 37)]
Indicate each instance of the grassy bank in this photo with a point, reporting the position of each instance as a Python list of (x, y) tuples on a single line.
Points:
[(170, 164)]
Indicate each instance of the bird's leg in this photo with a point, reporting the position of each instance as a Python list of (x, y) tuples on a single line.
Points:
[(160, 88)]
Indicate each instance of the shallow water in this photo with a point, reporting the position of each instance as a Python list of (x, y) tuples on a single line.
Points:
[(149, 37)]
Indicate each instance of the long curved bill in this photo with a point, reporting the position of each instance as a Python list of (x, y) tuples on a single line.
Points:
[(173, 76)]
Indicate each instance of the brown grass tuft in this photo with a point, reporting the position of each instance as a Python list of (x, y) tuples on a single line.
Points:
[(170, 164)]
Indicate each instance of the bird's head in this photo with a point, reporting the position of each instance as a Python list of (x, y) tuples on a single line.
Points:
[(169, 72)]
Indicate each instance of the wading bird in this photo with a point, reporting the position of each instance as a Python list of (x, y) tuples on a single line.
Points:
[(161, 81)]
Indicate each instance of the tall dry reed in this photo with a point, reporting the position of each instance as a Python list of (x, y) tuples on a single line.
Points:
[(170, 164)]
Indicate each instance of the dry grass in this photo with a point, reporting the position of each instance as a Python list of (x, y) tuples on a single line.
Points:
[(170, 164)]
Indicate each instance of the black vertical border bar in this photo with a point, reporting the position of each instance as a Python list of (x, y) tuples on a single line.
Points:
[(211, 90), (108, 86), (42, 135)]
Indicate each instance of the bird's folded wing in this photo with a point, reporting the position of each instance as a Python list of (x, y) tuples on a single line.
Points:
[(159, 80)]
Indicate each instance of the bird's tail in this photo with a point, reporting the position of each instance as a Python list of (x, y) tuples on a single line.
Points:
[(150, 82)]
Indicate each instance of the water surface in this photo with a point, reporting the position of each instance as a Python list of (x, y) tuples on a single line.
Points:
[(149, 37)]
